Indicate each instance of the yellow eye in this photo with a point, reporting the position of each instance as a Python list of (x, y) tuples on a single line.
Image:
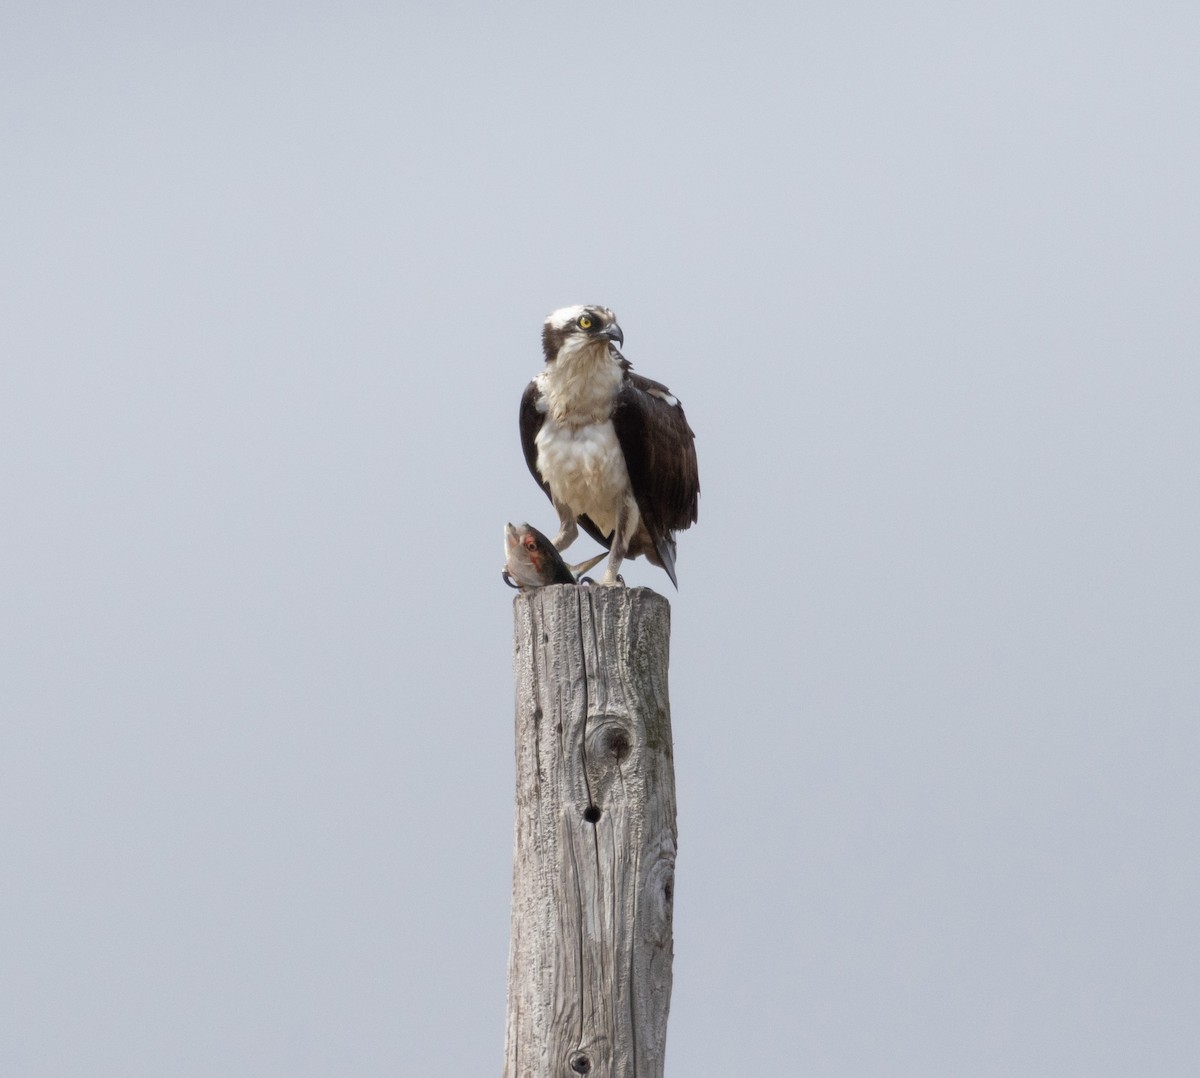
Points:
[(585, 322)]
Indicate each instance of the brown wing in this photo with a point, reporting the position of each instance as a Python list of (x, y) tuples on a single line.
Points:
[(660, 454), (531, 422), (531, 418)]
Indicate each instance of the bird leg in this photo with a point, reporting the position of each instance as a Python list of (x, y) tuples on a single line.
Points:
[(567, 528), (628, 519)]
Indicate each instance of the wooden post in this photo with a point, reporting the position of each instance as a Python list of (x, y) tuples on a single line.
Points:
[(589, 976)]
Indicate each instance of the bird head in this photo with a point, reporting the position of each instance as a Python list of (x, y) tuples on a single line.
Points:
[(579, 327)]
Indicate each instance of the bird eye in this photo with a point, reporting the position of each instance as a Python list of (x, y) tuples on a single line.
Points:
[(585, 322)]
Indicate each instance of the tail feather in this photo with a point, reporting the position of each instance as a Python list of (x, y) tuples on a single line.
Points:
[(665, 546)]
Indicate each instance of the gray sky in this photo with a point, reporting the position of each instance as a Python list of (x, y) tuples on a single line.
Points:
[(926, 283)]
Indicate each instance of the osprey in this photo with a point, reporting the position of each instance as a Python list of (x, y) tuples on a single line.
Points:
[(611, 449)]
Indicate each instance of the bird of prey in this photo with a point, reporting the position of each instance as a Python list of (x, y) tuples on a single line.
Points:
[(611, 449)]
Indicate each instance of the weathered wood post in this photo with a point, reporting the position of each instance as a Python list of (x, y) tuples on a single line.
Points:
[(589, 976)]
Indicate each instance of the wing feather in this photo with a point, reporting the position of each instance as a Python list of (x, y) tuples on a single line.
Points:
[(532, 416), (660, 454)]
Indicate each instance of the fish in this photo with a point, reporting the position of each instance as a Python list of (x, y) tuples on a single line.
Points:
[(530, 560)]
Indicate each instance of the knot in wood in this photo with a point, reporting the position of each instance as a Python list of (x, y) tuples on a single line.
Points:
[(616, 744), (659, 895), (610, 740), (580, 1063)]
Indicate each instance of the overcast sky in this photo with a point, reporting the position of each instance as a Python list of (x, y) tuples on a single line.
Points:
[(273, 278)]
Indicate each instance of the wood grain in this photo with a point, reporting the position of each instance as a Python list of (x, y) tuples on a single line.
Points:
[(589, 982)]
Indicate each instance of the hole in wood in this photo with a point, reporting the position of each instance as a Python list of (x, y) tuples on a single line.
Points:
[(580, 1063), (591, 814)]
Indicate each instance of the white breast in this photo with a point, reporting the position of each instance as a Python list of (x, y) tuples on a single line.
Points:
[(580, 386), (585, 469)]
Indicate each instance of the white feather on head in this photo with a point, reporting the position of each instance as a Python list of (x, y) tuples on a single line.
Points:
[(564, 316)]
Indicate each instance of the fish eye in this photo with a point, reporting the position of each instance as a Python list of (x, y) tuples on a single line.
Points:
[(584, 322), (530, 543)]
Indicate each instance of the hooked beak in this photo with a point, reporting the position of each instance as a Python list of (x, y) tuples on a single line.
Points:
[(613, 333)]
